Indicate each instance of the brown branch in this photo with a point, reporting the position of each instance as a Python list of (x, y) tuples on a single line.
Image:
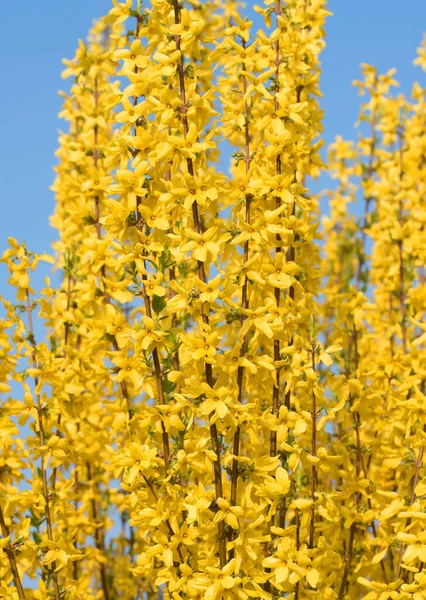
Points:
[(290, 257), (75, 564), (41, 437), (123, 386), (361, 259), (297, 515), (169, 527), (98, 534), (277, 294), (400, 245), (217, 466), (245, 306), (367, 199), (157, 364), (148, 309), (66, 335), (359, 464), (415, 481), (10, 553), (313, 450)]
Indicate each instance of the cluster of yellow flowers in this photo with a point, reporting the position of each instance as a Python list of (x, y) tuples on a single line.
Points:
[(185, 431)]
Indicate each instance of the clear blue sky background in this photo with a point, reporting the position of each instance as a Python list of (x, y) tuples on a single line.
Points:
[(37, 35)]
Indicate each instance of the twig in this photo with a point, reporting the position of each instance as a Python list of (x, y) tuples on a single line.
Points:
[(245, 306), (400, 245), (10, 553), (313, 449), (358, 465), (99, 535), (217, 466), (41, 437)]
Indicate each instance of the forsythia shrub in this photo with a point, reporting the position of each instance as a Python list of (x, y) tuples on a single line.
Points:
[(219, 410)]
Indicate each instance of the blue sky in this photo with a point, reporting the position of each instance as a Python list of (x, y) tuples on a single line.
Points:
[(381, 32)]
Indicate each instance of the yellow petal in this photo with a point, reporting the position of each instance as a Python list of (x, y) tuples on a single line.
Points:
[(232, 520), (379, 556), (281, 574), (228, 582), (312, 577)]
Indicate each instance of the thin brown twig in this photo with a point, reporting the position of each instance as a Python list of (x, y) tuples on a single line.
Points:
[(98, 533), (123, 386), (148, 309), (10, 553), (414, 483), (368, 198), (66, 335), (41, 437), (169, 527), (245, 306), (217, 466), (361, 260), (297, 515), (359, 465), (400, 245), (157, 365), (313, 449), (277, 291)]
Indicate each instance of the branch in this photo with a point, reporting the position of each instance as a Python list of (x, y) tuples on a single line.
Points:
[(10, 553), (217, 466), (245, 305), (41, 437)]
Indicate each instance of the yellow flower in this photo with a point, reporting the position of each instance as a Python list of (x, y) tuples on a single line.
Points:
[(228, 513), (59, 552), (415, 546), (201, 244), (204, 349), (118, 290), (218, 401)]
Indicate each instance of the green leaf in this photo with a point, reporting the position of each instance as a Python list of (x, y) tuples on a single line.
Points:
[(158, 304)]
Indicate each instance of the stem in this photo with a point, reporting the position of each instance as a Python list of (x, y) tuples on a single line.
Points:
[(157, 364), (99, 535), (75, 565), (400, 244), (359, 463), (314, 452), (41, 437), (172, 277), (348, 560), (148, 310), (10, 553), (412, 499), (361, 261), (169, 527), (201, 274), (401, 294), (66, 335), (123, 386), (277, 292), (367, 200), (297, 548), (245, 305)]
